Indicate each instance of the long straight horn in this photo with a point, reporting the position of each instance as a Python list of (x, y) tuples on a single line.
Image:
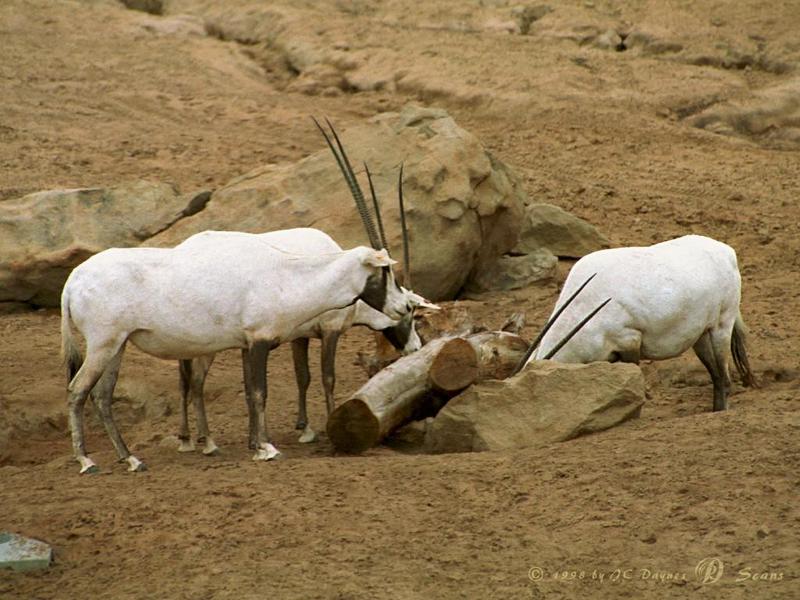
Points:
[(406, 260), (549, 324), (377, 208), (352, 182), (575, 330)]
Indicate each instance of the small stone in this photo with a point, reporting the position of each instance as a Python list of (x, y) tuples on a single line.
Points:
[(515, 272), (564, 234), (23, 554)]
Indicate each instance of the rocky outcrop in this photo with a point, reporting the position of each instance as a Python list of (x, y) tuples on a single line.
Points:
[(547, 402), (563, 234), (43, 236), (464, 207), (772, 114)]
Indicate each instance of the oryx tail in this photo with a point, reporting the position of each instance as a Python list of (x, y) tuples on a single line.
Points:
[(70, 354), (739, 352)]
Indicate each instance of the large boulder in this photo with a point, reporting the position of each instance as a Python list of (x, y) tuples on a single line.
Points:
[(547, 402), (564, 234), (464, 207), (43, 236)]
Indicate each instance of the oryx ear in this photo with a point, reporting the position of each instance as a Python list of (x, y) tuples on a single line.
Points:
[(379, 258), (420, 302)]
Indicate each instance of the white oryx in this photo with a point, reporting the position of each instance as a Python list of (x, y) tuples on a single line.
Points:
[(235, 290), (328, 326), (679, 294)]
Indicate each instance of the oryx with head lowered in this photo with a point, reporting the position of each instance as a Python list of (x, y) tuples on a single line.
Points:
[(232, 290), (669, 297), (328, 326)]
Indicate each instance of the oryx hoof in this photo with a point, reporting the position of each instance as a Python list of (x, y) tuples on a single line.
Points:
[(87, 466), (300, 425), (211, 450), (186, 446), (135, 465), (267, 452), (309, 436)]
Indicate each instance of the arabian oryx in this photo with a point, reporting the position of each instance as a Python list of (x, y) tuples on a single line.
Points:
[(236, 291), (328, 327), (669, 297)]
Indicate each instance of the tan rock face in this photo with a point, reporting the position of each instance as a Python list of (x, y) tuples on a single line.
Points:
[(43, 236), (547, 402), (463, 206), (562, 233)]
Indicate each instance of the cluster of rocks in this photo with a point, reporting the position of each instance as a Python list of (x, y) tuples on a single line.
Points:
[(472, 230), (546, 402), (471, 225)]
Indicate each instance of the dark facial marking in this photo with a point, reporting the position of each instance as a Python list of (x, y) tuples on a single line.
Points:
[(399, 334), (374, 292)]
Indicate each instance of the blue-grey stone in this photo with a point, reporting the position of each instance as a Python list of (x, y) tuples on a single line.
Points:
[(23, 554)]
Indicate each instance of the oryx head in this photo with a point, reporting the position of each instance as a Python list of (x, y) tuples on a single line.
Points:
[(382, 291)]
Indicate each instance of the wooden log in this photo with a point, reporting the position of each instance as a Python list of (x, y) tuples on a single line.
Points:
[(418, 384), (498, 353), (454, 367)]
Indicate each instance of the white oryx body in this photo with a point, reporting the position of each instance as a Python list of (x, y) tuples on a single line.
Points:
[(328, 327), (679, 294), (234, 290)]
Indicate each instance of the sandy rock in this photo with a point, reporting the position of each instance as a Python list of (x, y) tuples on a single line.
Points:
[(651, 41), (527, 15), (178, 25), (562, 233), (154, 7), (585, 28), (772, 113), (136, 400), (547, 402), (498, 25), (608, 40), (464, 207), (515, 272), (316, 80), (44, 235)]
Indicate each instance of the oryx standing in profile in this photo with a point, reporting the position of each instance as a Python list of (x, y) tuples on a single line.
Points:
[(236, 291), (328, 327), (679, 294)]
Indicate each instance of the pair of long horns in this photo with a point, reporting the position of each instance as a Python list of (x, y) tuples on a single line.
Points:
[(553, 319), (376, 235)]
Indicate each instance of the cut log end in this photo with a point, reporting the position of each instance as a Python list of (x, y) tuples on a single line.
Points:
[(454, 367), (353, 427)]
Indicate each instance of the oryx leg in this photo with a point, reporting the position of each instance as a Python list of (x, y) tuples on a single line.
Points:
[(103, 393), (193, 377), (254, 360), (628, 347), (185, 375), (252, 425), (711, 349), (329, 342), (98, 358), (303, 377)]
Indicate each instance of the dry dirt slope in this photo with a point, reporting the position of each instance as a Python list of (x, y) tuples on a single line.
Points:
[(94, 94)]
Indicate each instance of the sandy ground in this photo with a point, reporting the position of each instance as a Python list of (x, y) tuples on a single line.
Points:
[(93, 94)]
